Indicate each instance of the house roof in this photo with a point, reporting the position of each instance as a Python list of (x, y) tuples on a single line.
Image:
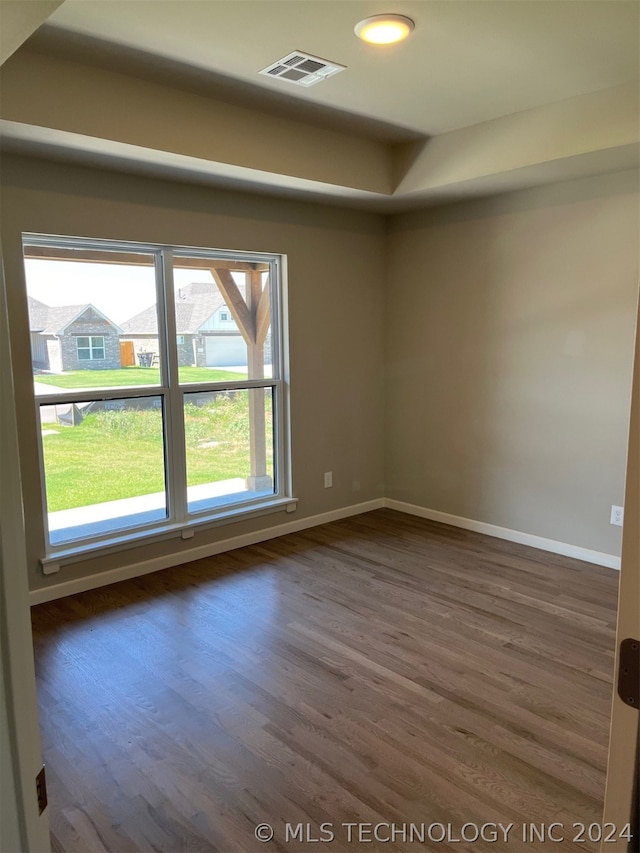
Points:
[(38, 313), (54, 319), (195, 303)]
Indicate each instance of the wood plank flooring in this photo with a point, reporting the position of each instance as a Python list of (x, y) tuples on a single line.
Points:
[(381, 670)]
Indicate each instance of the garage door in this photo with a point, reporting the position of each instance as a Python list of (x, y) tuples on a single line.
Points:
[(225, 351)]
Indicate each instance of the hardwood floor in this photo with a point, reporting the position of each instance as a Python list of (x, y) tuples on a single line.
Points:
[(378, 670)]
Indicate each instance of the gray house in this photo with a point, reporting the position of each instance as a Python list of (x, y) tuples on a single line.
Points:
[(72, 337), (207, 335)]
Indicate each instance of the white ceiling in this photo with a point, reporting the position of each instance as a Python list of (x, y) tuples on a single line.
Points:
[(485, 96), (467, 61)]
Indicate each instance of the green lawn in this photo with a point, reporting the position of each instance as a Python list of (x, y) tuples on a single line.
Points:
[(127, 376), (119, 453)]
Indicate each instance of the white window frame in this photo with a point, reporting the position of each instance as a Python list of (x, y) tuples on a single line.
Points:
[(91, 347), (179, 520)]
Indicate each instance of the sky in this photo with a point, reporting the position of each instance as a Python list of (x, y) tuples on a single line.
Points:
[(119, 292)]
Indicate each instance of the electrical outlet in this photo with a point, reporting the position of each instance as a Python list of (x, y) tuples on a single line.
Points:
[(328, 479), (617, 515)]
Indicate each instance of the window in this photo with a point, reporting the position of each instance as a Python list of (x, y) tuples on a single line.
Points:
[(187, 435), (224, 316), (90, 349)]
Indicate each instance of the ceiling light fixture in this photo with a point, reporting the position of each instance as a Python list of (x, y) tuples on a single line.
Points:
[(384, 29)]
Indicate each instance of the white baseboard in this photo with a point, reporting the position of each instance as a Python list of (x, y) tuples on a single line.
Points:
[(134, 570), (566, 550)]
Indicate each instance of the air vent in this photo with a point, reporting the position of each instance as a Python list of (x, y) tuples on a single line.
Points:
[(302, 69)]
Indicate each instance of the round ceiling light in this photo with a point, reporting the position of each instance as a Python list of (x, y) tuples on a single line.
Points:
[(384, 29)]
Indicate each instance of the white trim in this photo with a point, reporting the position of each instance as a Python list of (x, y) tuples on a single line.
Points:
[(566, 550), (175, 463), (125, 539), (50, 593), (123, 392), (23, 828), (171, 392)]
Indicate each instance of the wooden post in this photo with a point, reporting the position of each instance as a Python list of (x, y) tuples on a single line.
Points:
[(259, 480), (253, 317)]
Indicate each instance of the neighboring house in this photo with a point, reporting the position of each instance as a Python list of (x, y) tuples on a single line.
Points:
[(72, 337), (207, 335)]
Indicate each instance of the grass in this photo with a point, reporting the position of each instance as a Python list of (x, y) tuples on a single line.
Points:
[(118, 454), (127, 376)]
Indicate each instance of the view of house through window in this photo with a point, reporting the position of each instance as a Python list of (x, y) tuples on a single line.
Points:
[(157, 373)]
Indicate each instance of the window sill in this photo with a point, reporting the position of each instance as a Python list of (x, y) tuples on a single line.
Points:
[(73, 553)]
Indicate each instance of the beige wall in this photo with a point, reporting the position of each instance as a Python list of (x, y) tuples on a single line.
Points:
[(336, 262), (506, 339), (509, 346), (40, 90)]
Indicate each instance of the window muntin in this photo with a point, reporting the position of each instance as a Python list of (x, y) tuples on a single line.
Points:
[(90, 348), (166, 381)]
